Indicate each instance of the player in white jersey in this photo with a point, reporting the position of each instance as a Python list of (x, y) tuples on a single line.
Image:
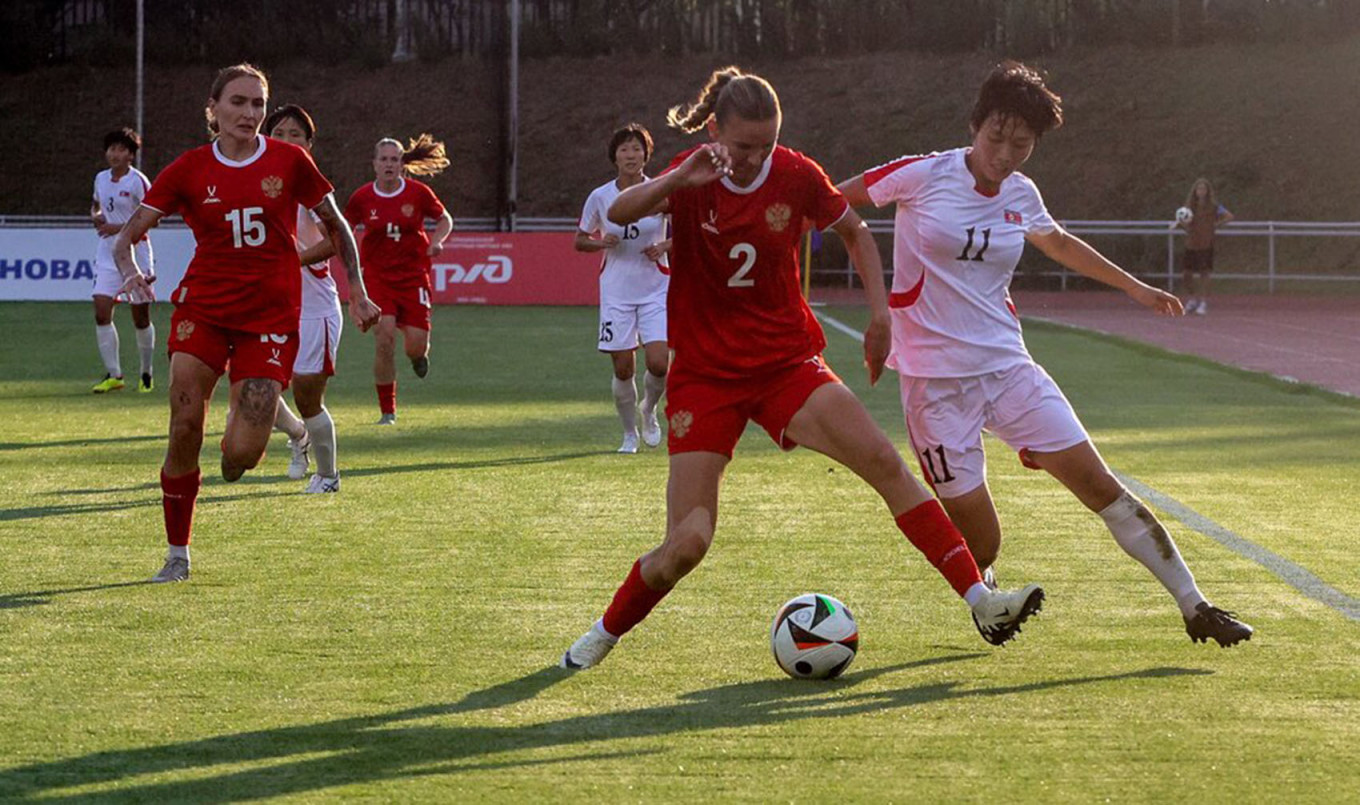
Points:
[(963, 217), (633, 281), (118, 192), (318, 330)]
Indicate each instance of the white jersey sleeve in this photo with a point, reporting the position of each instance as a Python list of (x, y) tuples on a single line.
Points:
[(898, 181), (1035, 217), (591, 214)]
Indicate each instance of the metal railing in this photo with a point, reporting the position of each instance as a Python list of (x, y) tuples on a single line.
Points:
[(1271, 231)]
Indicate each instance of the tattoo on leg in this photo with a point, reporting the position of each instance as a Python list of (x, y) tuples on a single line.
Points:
[(259, 401)]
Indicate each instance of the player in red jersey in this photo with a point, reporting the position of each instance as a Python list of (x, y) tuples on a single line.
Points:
[(238, 304), (748, 347), (396, 252)]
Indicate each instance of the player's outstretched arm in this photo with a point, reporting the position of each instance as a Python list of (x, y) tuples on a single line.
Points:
[(136, 283), (1076, 254), (855, 192), (361, 308), (859, 242), (708, 162)]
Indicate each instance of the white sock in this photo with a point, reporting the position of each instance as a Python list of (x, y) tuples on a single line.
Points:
[(146, 346), (653, 387), (975, 593), (182, 551), (107, 337), (322, 430), (625, 399), (287, 422), (1138, 532)]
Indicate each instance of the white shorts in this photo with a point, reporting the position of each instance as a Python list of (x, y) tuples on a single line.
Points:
[(623, 327), (318, 340), (1021, 405), (107, 278)]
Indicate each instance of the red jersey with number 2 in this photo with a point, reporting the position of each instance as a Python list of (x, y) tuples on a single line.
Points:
[(245, 273), (735, 304), (395, 249)]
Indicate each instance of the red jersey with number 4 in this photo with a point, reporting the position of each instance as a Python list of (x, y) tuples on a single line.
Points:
[(395, 249), (735, 305), (245, 273)]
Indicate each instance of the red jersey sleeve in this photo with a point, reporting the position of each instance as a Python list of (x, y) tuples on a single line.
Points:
[(354, 209), (309, 186), (827, 204), (434, 208), (166, 195)]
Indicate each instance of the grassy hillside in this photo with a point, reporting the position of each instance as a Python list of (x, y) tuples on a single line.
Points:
[(1272, 124)]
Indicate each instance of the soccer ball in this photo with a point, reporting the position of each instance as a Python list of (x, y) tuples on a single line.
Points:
[(814, 637), (1184, 215)]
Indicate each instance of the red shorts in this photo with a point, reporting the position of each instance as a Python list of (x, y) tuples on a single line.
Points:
[(270, 356), (709, 415), (411, 306)]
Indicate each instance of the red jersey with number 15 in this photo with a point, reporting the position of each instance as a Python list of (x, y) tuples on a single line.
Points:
[(245, 273), (395, 248), (735, 305)]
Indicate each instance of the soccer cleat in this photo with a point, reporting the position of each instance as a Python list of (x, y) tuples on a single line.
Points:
[(109, 383), (1202, 308), (421, 366), (651, 429), (989, 578), (146, 384), (321, 483), (630, 442), (387, 419), (1219, 624), (999, 615), (176, 569), (590, 650), (297, 466)]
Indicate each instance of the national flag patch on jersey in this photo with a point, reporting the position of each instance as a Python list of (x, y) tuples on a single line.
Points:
[(1013, 217)]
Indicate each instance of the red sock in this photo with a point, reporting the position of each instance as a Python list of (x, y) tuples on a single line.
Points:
[(178, 496), (931, 531), (387, 397), (633, 602)]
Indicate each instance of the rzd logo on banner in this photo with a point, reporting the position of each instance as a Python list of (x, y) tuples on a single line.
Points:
[(497, 270)]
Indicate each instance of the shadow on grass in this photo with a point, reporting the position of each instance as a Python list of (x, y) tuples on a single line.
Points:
[(40, 597), (270, 478), (7, 446), (391, 746), (65, 509)]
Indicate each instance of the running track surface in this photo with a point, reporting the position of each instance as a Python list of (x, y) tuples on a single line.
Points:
[(1313, 339)]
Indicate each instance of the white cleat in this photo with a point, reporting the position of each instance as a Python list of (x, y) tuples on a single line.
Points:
[(999, 615), (321, 483), (989, 579), (387, 419), (651, 429), (176, 569), (297, 467), (590, 650), (630, 443)]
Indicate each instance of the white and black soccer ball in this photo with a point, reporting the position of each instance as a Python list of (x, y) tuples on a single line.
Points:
[(814, 637), (1184, 215)]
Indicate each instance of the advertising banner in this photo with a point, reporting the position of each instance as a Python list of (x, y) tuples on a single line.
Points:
[(477, 268)]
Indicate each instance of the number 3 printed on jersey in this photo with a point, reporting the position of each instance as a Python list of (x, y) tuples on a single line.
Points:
[(246, 229), (747, 254)]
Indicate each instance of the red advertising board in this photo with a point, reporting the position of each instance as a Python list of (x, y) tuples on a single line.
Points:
[(502, 268)]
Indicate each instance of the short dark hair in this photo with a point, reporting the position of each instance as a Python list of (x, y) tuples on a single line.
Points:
[(126, 137), (632, 131), (290, 110), (1016, 91)]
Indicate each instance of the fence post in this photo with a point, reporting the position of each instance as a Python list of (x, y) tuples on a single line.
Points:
[(1171, 261), (1270, 266)]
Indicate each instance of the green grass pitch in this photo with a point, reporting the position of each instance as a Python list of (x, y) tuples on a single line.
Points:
[(396, 642)]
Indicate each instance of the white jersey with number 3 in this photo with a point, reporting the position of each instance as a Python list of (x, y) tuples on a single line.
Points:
[(628, 276), (119, 199), (955, 250), (319, 295)]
